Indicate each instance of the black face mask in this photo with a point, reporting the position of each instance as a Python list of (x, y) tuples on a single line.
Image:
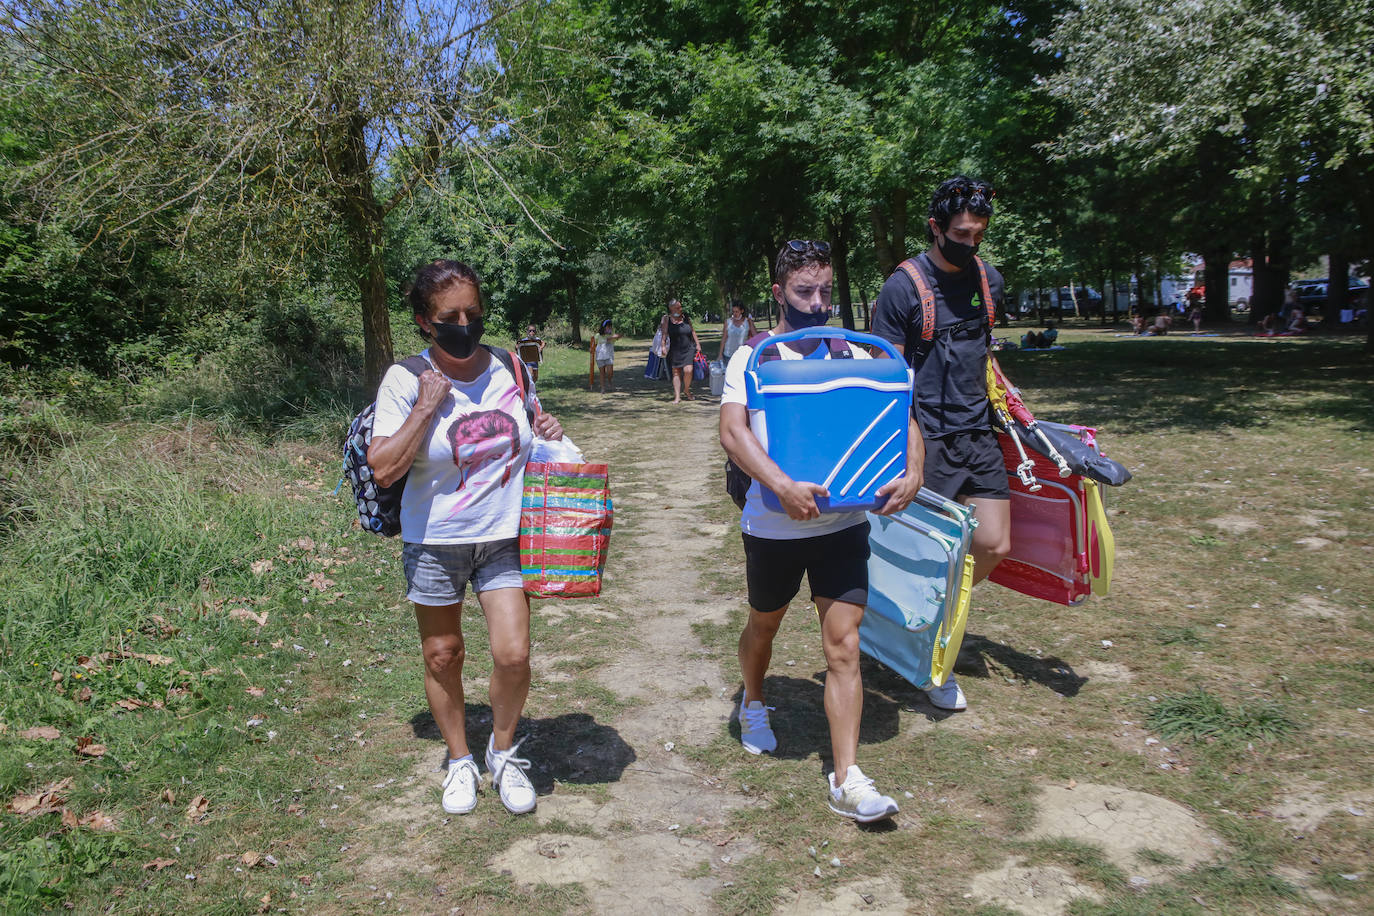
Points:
[(957, 253), (458, 340), (798, 320)]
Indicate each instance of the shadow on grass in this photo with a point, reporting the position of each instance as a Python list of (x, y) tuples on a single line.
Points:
[(1049, 671), (800, 724), (572, 748), (1154, 384)]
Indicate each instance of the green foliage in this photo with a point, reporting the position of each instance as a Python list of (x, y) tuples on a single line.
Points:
[(1200, 715)]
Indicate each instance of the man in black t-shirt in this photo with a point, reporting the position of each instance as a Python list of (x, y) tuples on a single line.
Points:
[(945, 339)]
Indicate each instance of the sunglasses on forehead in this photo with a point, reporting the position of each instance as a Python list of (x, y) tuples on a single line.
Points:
[(987, 192), (802, 246)]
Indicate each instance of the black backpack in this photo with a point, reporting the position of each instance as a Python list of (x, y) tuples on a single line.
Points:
[(737, 482), (379, 508)]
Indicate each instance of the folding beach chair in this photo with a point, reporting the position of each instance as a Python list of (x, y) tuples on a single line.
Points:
[(920, 580), (1062, 549)]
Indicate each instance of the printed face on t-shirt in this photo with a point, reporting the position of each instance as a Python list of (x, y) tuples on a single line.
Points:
[(481, 441)]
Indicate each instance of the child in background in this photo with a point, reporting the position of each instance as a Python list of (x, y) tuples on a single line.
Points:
[(605, 354)]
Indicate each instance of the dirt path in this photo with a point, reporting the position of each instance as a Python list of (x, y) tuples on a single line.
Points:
[(663, 480)]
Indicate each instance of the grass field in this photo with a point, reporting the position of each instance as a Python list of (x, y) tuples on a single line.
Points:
[(211, 694)]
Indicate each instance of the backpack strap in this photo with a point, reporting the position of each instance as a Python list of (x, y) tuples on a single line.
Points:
[(415, 365), (839, 349), (918, 280), (987, 292), (521, 376)]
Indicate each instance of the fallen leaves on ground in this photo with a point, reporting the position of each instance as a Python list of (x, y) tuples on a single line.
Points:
[(131, 704), (41, 733), (86, 746), (198, 809), (242, 613), (168, 796), (260, 567), (44, 801), (159, 864), (319, 581), (254, 691), (96, 820)]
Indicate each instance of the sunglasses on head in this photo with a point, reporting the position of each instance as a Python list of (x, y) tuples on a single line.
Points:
[(987, 192), (802, 246)]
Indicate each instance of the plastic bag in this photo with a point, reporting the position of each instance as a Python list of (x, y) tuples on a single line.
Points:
[(545, 451)]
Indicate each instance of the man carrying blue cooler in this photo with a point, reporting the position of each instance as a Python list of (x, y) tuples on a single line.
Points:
[(938, 309), (830, 549)]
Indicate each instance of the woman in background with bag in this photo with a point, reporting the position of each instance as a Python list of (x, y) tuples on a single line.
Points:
[(463, 431), (680, 346)]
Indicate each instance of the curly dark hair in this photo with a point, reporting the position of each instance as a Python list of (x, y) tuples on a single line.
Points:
[(433, 279), (956, 195), (799, 255)]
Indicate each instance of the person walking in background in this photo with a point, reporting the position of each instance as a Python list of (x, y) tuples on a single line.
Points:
[(738, 328), (530, 349), (604, 344), (462, 431), (963, 460), (830, 550), (680, 347)]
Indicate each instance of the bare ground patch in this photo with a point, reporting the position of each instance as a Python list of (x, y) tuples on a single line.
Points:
[(1124, 823)]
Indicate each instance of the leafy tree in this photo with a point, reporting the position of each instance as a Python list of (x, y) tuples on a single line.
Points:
[(256, 131), (1256, 97)]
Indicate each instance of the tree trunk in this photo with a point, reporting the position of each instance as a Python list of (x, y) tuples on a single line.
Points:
[(882, 241), (1266, 299), (1216, 278), (839, 257), (574, 308), (899, 201), (1337, 289), (1102, 282), (364, 222)]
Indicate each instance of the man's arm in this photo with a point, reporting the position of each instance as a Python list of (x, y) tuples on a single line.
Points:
[(797, 497)]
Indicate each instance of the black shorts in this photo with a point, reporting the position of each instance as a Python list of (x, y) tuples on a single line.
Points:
[(835, 564), (966, 464)]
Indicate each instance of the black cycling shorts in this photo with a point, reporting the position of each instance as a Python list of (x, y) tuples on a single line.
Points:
[(966, 464), (836, 566)]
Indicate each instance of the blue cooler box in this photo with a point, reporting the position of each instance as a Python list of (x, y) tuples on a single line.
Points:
[(841, 423)]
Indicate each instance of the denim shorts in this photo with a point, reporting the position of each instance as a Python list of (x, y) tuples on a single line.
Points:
[(438, 574)]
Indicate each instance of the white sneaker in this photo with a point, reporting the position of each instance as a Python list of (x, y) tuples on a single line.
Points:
[(858, 799), (460, 786), (508, 775), (754, 731), (947, 696)]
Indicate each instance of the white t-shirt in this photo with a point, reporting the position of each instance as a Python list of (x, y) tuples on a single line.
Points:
[(757, 519), (605, 348), (468, 475)]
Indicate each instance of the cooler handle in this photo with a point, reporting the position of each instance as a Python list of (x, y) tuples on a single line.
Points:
[(870, 340)]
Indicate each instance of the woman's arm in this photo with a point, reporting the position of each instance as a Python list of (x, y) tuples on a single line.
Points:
[(390, 457)]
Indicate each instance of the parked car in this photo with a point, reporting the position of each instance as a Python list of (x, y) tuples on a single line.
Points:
[(1312, 293)]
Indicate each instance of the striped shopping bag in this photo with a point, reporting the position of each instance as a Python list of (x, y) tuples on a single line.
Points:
[(565, 529)]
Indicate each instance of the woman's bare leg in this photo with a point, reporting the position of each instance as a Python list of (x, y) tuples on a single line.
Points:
[(441, 645), (508, 627), (677, 383)]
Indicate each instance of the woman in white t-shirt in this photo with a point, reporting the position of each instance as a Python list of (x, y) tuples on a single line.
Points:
[(462, 432), (738, 328)]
